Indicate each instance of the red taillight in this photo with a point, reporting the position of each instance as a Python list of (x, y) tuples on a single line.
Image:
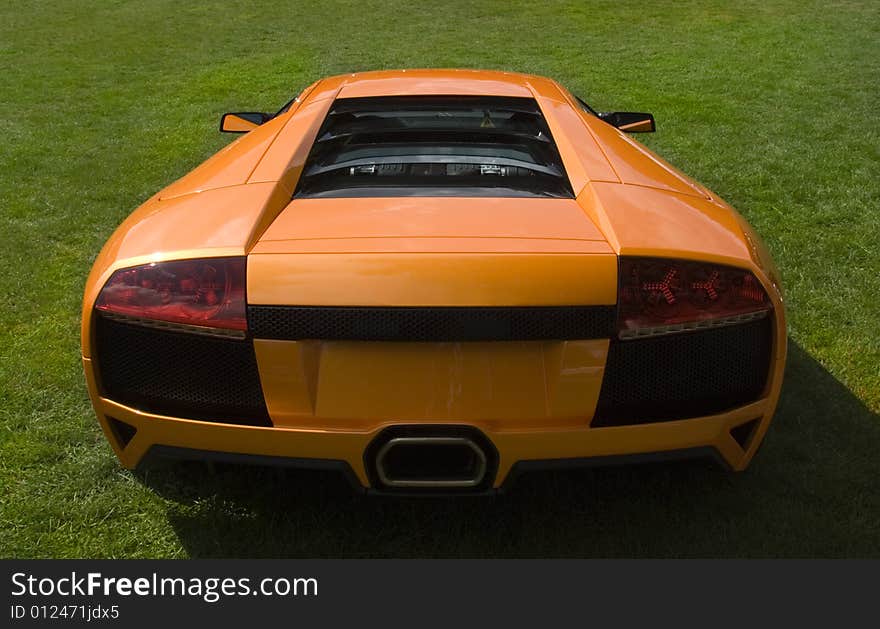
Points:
[(208, 292), (659, 296)]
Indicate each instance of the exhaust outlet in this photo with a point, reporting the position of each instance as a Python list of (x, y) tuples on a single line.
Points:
[(431, 462)]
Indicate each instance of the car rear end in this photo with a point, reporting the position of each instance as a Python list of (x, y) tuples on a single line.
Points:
[(434, 311)]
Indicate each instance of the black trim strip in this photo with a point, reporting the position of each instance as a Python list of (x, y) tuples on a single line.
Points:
[(664, 456), (159, 451), (432, 324)]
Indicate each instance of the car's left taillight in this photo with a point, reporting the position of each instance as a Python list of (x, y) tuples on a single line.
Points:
[(659, 296), (209, 293)]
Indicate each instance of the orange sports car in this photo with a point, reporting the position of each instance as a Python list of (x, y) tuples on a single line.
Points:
[(433, 280)]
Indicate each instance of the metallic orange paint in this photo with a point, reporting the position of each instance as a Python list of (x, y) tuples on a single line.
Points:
[(432, 279), (534, 400), (233, 123), (640, 126), (336, 385)]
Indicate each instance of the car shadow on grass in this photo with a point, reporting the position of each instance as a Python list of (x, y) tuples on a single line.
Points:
[(812, 491)]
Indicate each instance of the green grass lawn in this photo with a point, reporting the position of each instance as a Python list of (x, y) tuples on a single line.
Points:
[(774, 105)]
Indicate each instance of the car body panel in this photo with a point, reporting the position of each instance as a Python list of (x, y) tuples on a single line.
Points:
[(231, 166), (432, 245), (432, 83), (635, 164), (342, 385), (645, 221), (582, 155), (432, 279), (443, 217), (283, 161)]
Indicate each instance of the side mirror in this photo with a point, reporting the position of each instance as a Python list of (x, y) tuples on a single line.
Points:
[(630, 121), (243, 121)]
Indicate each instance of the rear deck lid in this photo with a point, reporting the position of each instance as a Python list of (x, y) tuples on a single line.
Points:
[(428, 222)]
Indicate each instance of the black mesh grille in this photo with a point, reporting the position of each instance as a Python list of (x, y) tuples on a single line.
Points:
[(431, 324), (684, 375), (179, 374)]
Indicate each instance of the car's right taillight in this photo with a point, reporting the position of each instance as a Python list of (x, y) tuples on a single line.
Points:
[(659, 296), (208, 293)]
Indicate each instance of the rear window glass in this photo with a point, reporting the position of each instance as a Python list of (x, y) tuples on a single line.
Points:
[(434, 146)]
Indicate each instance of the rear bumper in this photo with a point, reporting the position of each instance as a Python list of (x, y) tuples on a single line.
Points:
[(519, 448)]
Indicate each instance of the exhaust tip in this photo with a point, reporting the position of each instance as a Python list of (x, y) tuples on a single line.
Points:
[(431, 462), (416, 458)]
